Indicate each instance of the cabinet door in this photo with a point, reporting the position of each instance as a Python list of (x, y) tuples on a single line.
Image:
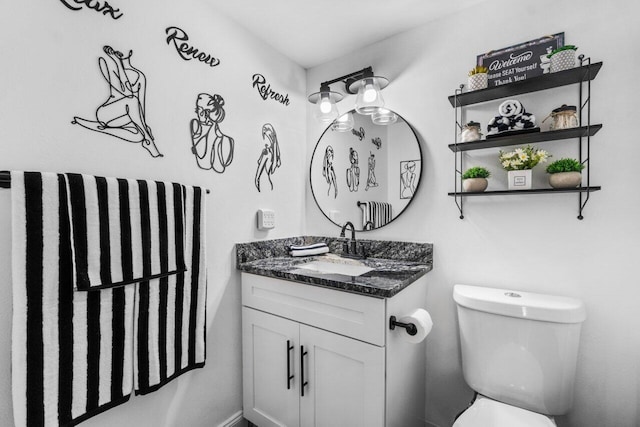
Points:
[(269, 357), (345, 381)]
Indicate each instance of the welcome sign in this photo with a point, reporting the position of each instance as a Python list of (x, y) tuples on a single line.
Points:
[(521, 61)]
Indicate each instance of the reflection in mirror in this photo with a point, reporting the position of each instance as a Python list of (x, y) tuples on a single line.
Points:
[(367, 175)]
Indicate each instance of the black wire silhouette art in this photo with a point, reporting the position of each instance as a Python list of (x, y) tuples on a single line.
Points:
[(377, 142), (212, 148), (269, 159), (328, 172), (371, 175), (123, 114), (353, 173), (407, 178)]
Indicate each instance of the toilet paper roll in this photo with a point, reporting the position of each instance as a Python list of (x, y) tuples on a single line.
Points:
[(423, 322)]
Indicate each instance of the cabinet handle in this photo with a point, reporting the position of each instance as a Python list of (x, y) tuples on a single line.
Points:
[(303, 383), (289, 376)]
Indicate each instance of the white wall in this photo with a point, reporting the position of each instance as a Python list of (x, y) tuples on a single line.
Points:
[(50, 74), (528, 243)]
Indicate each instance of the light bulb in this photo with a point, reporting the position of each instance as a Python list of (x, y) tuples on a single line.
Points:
[(369, 98), (325, 104), (370, 93)]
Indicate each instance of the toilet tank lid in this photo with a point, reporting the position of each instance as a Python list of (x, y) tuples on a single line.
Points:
[(525, 305)]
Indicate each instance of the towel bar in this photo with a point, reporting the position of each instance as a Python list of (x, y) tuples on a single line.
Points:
[(5, 180)]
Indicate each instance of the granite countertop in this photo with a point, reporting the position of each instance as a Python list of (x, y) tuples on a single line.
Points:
[(402, 264)]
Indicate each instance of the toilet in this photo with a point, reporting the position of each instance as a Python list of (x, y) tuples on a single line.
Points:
[(519, 353)]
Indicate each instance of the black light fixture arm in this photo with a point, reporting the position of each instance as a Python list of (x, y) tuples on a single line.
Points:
[(348, 79)]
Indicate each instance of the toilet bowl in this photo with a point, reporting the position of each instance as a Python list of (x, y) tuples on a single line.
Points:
[(487, 412)]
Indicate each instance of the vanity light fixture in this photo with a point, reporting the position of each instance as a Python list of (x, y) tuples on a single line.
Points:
[(344, 123), (384, 117), (363, 83), (325, 100)]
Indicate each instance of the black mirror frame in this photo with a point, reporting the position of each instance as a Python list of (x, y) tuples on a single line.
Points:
[(408, 204)]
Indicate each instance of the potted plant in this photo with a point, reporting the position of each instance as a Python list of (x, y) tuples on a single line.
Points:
[(518, 164), (475, 179), (563, 58), (478, 78), (565, 173)]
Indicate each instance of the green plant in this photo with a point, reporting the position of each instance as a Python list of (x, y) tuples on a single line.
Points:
[(522, 158), (565, 165), (478, 69), (476, 172), (560, 49)]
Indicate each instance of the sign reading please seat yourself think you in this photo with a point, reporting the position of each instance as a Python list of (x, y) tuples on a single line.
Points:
[(521, 61)]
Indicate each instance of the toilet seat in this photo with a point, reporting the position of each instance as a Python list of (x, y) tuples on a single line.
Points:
[(487, 412)]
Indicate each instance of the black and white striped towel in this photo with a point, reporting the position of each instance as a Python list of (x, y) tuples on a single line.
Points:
[(306, 250), (376, 213), (170, 320), (72, 354), (116, 223)]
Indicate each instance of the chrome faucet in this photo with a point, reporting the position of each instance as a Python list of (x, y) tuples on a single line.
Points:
[(350, 249)]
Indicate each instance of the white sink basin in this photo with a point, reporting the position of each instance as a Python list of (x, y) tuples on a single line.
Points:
[(335, 268)]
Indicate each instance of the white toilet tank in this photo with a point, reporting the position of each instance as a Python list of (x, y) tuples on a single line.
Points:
[(520, 348)]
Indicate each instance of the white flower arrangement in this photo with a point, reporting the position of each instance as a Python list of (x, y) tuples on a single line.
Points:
[(522, 158)]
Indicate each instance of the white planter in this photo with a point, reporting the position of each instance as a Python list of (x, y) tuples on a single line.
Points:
[(565, 179), (519, 180), (478, 81), (474, 185), (563, 60)]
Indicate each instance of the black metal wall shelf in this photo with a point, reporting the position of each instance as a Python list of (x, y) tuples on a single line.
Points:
[(531, 191), (527, 138), (581, 75), (546, 81)]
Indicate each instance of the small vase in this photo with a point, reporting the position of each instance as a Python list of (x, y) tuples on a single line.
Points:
[(474, 185), (563, 60), (520, 180), (478, 81), (565, 179)]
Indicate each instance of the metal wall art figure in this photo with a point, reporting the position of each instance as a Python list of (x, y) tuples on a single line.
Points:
[(353, 173), (269, 159), (371, 175), (123, 114), (328, 172), (407, 178), (212, 148)]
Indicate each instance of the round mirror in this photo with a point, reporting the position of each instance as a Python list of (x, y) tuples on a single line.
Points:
[(367, 175)]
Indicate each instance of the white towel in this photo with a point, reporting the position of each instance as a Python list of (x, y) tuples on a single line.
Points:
[(510, 108), (170, 324), (71, 352), (128, 225)]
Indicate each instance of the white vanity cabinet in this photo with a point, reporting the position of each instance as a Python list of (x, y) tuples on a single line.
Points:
[(315, 356)]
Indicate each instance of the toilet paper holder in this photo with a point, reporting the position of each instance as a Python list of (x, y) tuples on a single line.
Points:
[(410, 327)]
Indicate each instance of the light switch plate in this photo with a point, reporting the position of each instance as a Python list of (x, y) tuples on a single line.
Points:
[(266, 219)]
